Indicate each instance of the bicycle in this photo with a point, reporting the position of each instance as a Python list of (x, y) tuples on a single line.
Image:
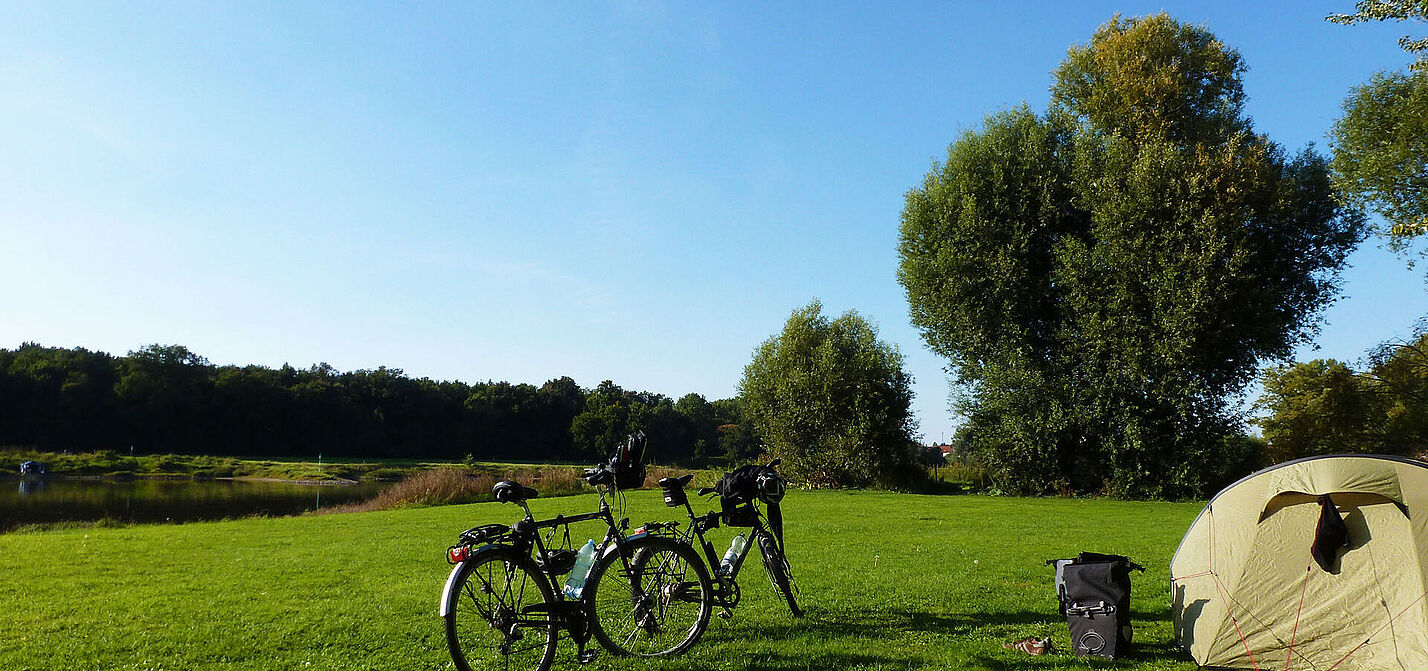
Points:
[(739, 509), (502, 608)]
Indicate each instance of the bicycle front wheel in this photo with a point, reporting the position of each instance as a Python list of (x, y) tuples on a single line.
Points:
[(776, 565), (495, 613), (659, 605)]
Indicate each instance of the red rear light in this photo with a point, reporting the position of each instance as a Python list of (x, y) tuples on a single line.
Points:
[(458, 554)]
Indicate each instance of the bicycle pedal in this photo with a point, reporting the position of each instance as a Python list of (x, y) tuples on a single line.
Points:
[(587, 656), (726, 614)]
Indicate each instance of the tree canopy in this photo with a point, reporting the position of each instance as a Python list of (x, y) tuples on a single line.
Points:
[(1104, 275), (832, 401), (1393, 10), (1381, 141), (1326, 407)]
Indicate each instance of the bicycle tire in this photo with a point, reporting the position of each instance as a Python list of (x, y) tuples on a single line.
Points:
[(483, 598), (779, 572), (655, 610)]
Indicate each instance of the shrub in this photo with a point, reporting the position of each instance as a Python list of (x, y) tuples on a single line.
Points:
[(832, 401)]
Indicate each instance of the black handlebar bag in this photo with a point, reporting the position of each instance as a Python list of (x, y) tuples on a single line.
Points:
[(1094, 591), (739, 489), (628, 462)]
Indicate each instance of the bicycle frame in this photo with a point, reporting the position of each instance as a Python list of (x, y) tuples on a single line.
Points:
[(524, 538), (726, 588)]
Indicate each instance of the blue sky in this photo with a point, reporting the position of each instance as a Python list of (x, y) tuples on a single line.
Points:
[(638, 192)]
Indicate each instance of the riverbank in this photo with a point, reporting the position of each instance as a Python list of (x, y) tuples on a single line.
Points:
[(59, 502), (111, 464), (101, 488), (174, 477)]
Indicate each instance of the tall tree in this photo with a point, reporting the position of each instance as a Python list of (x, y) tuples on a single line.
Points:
[(611, 413), (832, 401), (1319, 407), (1103, 276), (701, 416), (1381, 142), (164, 391)]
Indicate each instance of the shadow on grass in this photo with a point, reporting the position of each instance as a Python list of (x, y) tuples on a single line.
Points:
[(935, 486), (881, 638), (868, 624)]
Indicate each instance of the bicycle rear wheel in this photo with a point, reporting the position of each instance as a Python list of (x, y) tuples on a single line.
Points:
[(780, 574), (488, 611), (659, 607)]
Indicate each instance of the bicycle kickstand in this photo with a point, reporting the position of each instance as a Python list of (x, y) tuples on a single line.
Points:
[(581, 634)]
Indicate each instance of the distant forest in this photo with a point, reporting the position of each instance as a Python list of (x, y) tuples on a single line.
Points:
[(167, 399)]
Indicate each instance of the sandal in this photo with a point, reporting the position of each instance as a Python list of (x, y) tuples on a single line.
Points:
[(1030, 646)]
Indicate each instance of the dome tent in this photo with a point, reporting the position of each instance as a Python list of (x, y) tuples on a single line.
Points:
[(1248, 593)]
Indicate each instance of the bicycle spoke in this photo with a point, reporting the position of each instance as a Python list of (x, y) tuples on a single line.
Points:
[(487, 630), (645, 613), (625, 620), (630, 640)]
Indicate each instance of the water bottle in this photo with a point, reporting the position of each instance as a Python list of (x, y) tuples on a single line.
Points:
[(575, 584), (726, 565)]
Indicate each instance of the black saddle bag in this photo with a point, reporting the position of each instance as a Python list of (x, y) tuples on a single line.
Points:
[(1094, 592)]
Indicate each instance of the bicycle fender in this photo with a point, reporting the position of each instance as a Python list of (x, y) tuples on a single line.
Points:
[(610, 549), (448, 598)]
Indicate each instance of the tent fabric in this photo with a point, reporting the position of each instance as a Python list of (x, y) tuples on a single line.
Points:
[(1247, 593)]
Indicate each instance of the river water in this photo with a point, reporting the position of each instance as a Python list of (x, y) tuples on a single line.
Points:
[(61, 500)]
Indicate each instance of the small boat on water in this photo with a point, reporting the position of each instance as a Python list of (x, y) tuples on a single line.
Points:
[(32, 470)]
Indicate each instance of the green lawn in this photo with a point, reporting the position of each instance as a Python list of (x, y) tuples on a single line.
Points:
[(890, 581)]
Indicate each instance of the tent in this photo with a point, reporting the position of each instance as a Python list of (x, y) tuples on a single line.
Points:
[(1248, 593)]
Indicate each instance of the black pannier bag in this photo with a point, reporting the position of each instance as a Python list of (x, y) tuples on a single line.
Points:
[(1094, 593)]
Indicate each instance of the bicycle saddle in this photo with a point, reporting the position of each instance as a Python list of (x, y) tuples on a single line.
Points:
[(676, 483), (508, 491)]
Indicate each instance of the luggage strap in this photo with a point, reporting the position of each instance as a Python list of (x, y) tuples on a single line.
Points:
[(1088, 610)]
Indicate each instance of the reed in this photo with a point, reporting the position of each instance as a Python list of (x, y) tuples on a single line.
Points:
[(443, 486)]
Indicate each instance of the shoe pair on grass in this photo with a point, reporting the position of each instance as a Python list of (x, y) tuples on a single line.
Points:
[(1030, 646)]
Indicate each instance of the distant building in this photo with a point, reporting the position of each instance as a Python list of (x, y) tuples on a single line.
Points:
[(930, 455)]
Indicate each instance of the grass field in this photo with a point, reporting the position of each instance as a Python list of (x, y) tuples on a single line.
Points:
[(889, 581)]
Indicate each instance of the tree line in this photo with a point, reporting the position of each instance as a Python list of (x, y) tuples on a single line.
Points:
[(168, 399)]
